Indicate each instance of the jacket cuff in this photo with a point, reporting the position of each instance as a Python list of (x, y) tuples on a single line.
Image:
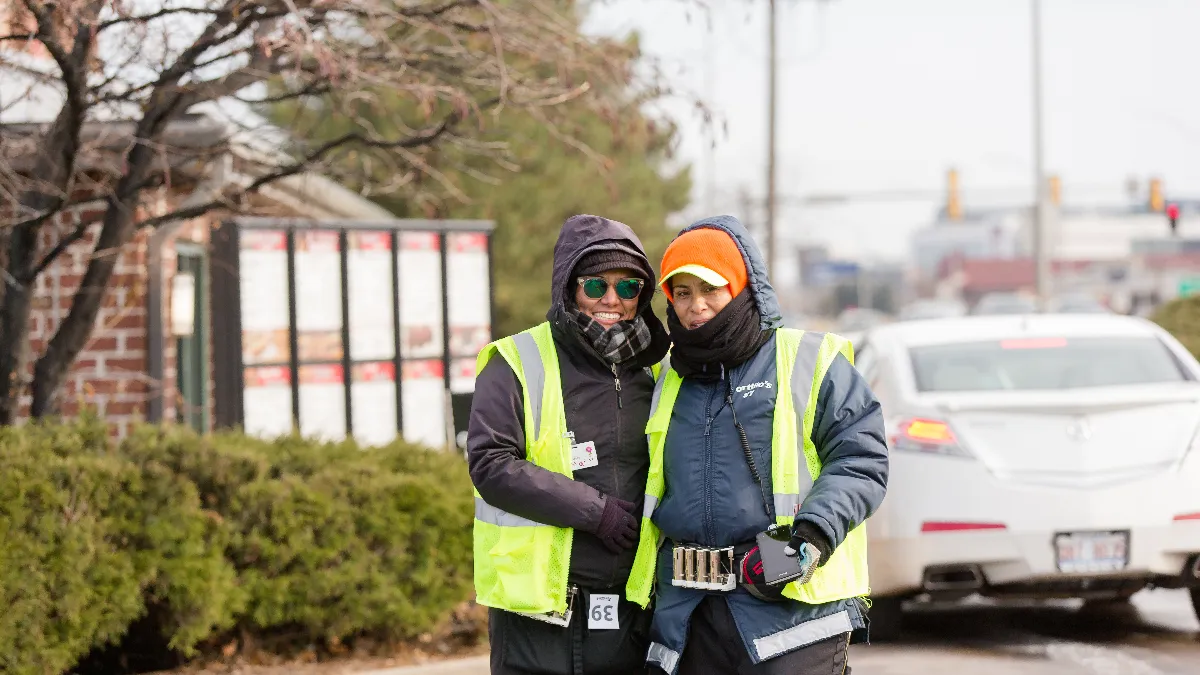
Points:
[(592, 511), (813, 535)]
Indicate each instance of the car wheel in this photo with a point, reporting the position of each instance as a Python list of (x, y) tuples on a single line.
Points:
[(886, 617), (1196, 602)]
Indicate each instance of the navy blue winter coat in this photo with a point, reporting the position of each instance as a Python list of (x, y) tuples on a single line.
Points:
[(711, 498)]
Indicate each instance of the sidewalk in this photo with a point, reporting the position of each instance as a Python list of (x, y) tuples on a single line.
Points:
[(477, 665)]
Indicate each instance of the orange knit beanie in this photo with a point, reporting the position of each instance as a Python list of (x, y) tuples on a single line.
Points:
[(702, 250)]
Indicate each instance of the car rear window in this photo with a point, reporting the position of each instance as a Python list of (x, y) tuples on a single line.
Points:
[(1044, 363)]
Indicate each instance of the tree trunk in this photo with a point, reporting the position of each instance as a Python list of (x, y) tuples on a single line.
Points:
[(14, 321), (119, 225), (55, 168), (75, 331)]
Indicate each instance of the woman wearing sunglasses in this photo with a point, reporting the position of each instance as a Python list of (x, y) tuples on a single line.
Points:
[(557, 451), (766, 457)]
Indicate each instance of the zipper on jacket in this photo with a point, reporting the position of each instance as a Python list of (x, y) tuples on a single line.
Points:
[(708, 517), (616, 467), (617, 384)]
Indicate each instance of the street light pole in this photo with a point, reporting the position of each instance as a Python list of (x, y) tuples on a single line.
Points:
[(1041, 243), (771, 124), (710, 92)]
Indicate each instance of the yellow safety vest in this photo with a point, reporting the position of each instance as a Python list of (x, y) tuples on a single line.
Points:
[(522, 565), (802, 359)]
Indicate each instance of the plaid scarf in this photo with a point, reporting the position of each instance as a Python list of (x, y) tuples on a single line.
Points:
[(623, 341)]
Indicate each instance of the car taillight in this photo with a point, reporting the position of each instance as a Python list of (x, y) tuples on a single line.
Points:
[(1188, 516), (927, 436)]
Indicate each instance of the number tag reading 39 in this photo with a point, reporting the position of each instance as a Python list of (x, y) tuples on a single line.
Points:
[(602, 615)]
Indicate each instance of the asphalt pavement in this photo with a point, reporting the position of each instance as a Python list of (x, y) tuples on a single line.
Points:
[(1157, 635)]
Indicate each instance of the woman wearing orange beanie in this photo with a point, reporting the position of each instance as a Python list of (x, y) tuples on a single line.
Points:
[(741, 446)]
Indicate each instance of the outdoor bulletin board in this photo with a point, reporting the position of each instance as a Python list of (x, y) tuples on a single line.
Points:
[(340, 328)]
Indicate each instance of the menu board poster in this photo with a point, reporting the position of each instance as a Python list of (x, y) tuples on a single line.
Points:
[(462, 376), (267, 401), (373, 400), (318, 296), (323, 402), (470, 293), (369, 270), (424, 403), (262, 266), (420, 261)]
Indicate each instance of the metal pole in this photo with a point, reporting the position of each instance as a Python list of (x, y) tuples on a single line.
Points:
[(1041, 242), (771, 89), (710, 169)]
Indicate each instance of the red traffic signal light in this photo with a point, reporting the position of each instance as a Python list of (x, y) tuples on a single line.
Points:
[(1173, 216)]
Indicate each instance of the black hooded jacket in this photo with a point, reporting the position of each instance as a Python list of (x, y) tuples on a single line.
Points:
[(596, 411)]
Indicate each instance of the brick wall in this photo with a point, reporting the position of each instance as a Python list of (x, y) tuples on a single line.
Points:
[(111, 373)]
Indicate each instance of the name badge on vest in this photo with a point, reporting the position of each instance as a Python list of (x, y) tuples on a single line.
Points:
[(583, 456)]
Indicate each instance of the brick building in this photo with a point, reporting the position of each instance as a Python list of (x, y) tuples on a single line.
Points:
[(142, 361), (145, 359)]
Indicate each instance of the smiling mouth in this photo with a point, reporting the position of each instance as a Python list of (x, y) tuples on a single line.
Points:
[(696, 324), (607, 317)]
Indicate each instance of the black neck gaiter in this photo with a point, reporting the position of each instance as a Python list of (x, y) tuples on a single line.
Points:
[(728, 340)]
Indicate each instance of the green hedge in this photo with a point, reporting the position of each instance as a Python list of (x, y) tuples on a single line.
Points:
[(221, 533), (1181, 318)]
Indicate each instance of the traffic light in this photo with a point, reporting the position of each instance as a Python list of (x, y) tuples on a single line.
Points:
[(1056, 190), (953, 204), (1173, 218), (1156, 195)]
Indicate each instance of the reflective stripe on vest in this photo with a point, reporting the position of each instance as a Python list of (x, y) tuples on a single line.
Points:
[(804, 370), (535, 378), (661, 369), (486, 513), (809, 356), (641, 575)]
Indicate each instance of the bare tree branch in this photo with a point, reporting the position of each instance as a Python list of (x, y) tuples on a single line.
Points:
[(63, 244), (314, 88), (391, 93), (154, 16), (58, 208)]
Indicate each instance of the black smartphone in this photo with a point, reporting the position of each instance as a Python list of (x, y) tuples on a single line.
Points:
[(778, 568)]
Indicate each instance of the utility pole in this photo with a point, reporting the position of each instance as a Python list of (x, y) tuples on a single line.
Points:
[(771, 125), (1041, 242), (710, 91)]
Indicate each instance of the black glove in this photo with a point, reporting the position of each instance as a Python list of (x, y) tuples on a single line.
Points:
[(618, 528), (804, 532)]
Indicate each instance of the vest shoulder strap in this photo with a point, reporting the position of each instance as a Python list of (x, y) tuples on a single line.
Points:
[(526, 353)]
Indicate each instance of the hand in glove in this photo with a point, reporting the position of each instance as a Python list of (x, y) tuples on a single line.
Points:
[(811, 545), (618, 528)]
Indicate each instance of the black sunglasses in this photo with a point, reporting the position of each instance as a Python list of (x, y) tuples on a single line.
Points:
[(596, 287)]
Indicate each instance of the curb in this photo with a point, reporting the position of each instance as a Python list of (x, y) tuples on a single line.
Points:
[(454, 667)]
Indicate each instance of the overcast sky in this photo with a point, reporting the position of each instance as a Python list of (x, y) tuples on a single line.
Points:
[(887, 94)]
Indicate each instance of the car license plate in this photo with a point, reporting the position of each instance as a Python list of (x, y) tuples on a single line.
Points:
[(1079, 552)]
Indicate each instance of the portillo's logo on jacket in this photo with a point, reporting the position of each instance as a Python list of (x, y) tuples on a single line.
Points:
[(747, 390)]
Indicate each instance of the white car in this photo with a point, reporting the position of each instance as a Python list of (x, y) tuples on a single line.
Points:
[(1038, 456)]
